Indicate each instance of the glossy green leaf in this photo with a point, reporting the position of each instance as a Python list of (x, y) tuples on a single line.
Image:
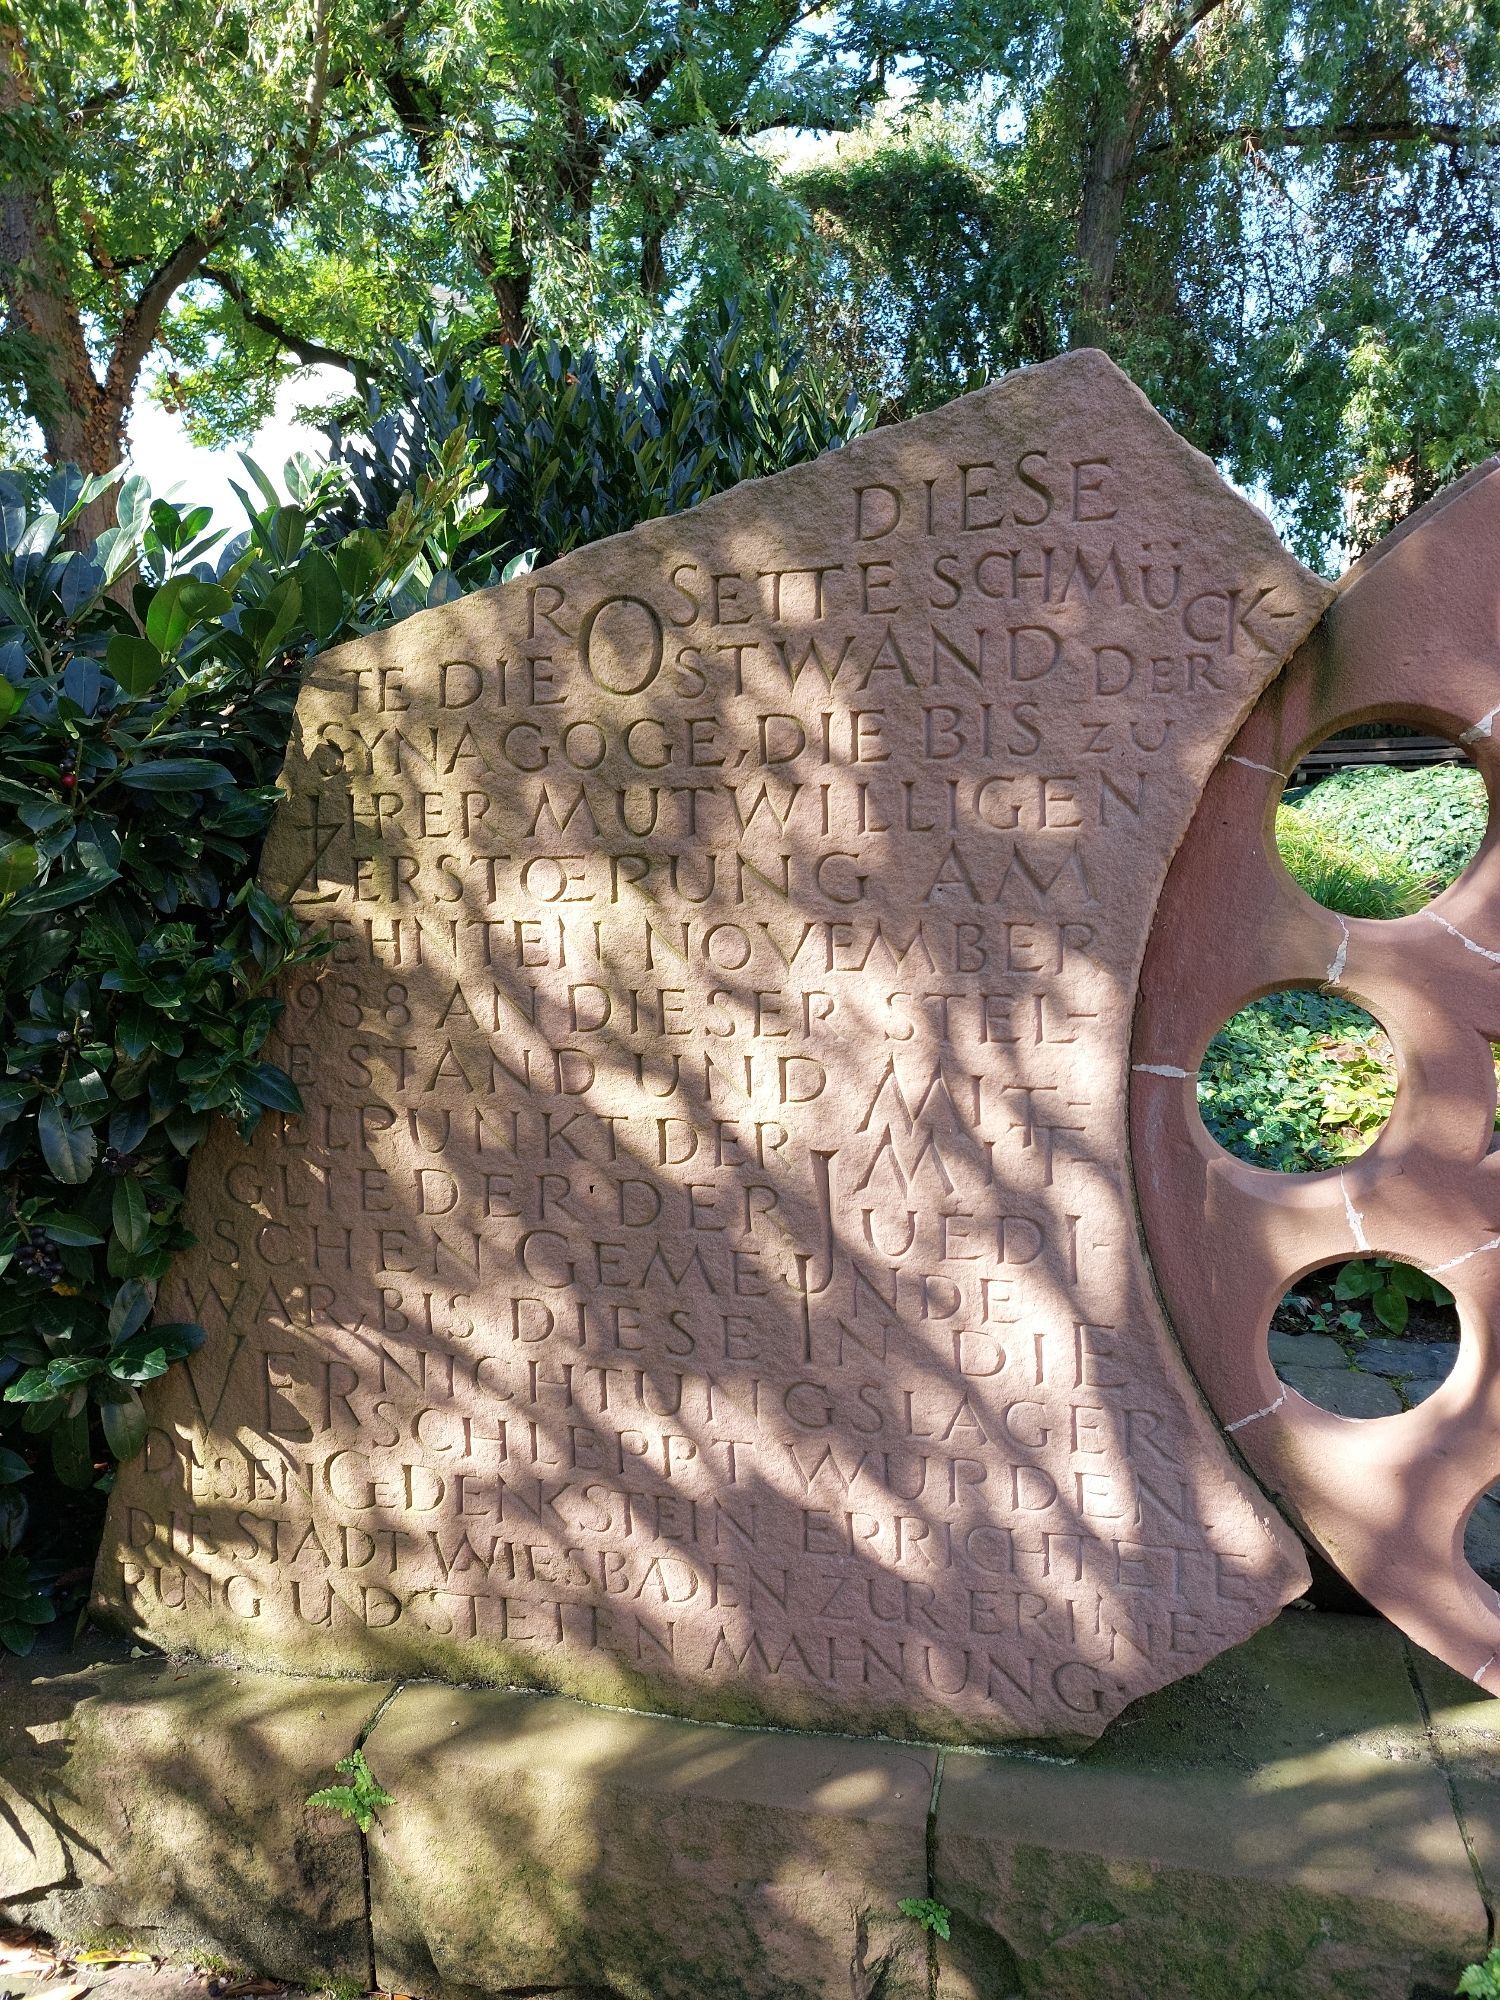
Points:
[(272, 1087), (135, 662), (71, 1230), (177, 774), (129, 1213), (72, 1458), (68, 1145), (181, 603), (322, 594), (18, 868), (124, 1422)]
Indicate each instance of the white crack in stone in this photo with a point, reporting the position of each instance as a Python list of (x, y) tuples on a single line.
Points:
[(1355, 1217), (1256, 1415), (1341, 956), (1158, 1069), (1485, 726), (1479, 1677), (1251, 765), (1467, 942), (1478, 1251)]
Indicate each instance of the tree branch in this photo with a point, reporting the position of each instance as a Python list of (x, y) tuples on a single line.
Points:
[(311, 353), (1352, 132), (89, 107), (142, 323)]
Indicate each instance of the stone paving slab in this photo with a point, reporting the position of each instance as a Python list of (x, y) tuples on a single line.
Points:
[(645, 1857), (167, 1800), (1279, 1825), (1305, 1350), (1296, 1822), (1416, 1360), (1465, 1727), (1345, 1391)]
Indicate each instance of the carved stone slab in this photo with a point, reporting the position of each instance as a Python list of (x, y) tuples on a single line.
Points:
[(1412, 637), (707, 1275)]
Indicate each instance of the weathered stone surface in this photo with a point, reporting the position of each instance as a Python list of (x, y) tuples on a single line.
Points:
[(1306, 1350), (1278, 1825), (706, 1277), (1416, 1360), (168, 1802), (1412, 637), (1344, 1391), (540, 1844)]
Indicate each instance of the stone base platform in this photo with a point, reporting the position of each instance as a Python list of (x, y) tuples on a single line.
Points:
[(1316, 1814)]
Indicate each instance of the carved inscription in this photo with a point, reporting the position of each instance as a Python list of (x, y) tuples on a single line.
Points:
[(707, 1273)]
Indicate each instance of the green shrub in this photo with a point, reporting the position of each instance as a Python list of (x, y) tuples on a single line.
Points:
[(146, 685), (577, 445)]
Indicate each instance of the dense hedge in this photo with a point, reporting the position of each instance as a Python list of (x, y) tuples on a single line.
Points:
[(574, 447)]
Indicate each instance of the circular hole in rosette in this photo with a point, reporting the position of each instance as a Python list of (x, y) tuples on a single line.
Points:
[(1482, 1537), (1298, 1081), (1380, 818), (1368, 1337)]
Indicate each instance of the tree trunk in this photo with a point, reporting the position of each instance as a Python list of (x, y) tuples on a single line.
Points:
[(89, 433), (513, 296), (1100, 215), (81, 422)]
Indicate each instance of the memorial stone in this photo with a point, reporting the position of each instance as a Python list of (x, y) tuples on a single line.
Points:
[(707, 1274)]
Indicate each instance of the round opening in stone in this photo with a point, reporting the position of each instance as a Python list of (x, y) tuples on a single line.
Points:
[(1368, 1337), (1379, 819), (1482, 1537), (1298, 1081)]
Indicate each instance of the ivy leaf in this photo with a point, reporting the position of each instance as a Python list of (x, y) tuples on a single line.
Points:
[(68, 1147), (1391, 1308), (1357, 1281)]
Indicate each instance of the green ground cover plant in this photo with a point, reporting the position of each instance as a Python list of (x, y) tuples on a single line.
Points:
[(1303, 1080), (1424, 824), (1297, 1081)]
